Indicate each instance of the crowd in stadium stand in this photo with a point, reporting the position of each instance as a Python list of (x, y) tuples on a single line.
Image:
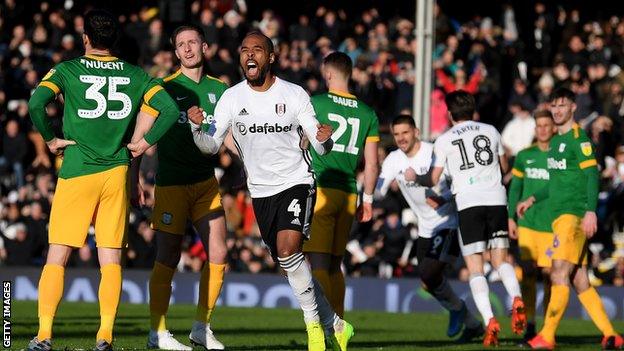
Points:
[(510, 67)]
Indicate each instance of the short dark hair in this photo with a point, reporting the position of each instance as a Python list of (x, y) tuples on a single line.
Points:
[(102, 28), (542, 114), (267, 41), (403, 119), (563, 93), (461, 105), (186, 27), (339, 61)]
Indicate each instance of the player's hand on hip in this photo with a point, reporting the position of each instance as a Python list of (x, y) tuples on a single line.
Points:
[(138, 148), (364, 212), (323, 132), (590, 224), (57, 145), (410, 175), (196, 114), (513, 229)]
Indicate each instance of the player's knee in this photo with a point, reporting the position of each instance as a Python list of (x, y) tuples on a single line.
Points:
[(431, 279), (581, 283), (284, 252), (58, 254), (287, 248), (168, 258), (559, 276)]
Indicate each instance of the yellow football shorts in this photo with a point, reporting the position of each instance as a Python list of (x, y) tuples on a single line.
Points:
[(331, 224), (175, 204), (100, 199), (569, 241), (534, 246)]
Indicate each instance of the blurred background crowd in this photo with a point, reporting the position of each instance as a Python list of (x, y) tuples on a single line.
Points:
[(511, 61)]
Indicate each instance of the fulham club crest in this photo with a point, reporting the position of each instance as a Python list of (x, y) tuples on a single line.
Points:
[(280, 109)]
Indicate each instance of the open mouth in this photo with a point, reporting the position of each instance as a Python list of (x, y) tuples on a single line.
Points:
[(252, 68)]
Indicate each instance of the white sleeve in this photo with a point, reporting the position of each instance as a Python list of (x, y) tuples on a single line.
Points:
[(209, 141), (386, 176), (307, 120), (439, 153)]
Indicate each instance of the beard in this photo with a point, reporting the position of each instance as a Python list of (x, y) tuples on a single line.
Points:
[(259, 80)]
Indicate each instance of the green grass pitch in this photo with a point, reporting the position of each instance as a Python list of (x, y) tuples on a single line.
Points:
[(273, 329)]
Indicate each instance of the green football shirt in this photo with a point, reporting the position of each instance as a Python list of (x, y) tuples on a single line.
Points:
[(102, 96), (569, 155), (180, 162), (530, 173), (354, 123)]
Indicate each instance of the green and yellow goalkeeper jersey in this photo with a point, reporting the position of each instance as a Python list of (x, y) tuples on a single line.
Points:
[(353, 124), (573, 186), (102, 96), (530, 174), (179, 160)]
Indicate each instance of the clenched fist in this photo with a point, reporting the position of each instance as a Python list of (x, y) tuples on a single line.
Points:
[(323, 133), (196, 114)]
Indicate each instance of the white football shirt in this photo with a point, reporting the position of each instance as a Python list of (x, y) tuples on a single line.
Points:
[(470, 151), (429, 220), (268, 128)]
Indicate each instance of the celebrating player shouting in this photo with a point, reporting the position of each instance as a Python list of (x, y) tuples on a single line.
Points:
[(102, 95), (269, 118)]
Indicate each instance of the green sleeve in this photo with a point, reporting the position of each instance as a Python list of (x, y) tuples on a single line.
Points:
[(517, 183), (593, 187), (515, 191), (37, 109), (168, 115), (587, 163), (50, 86)]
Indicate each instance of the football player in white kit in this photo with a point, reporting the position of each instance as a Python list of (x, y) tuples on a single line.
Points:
[(437, 220), (269, 118), (472, 154)]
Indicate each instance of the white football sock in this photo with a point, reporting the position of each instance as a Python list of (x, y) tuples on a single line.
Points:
[(508, 276), (480, 295), (300, 280)]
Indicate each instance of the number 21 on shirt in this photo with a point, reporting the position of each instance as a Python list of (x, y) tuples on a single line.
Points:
[(343, 125)]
